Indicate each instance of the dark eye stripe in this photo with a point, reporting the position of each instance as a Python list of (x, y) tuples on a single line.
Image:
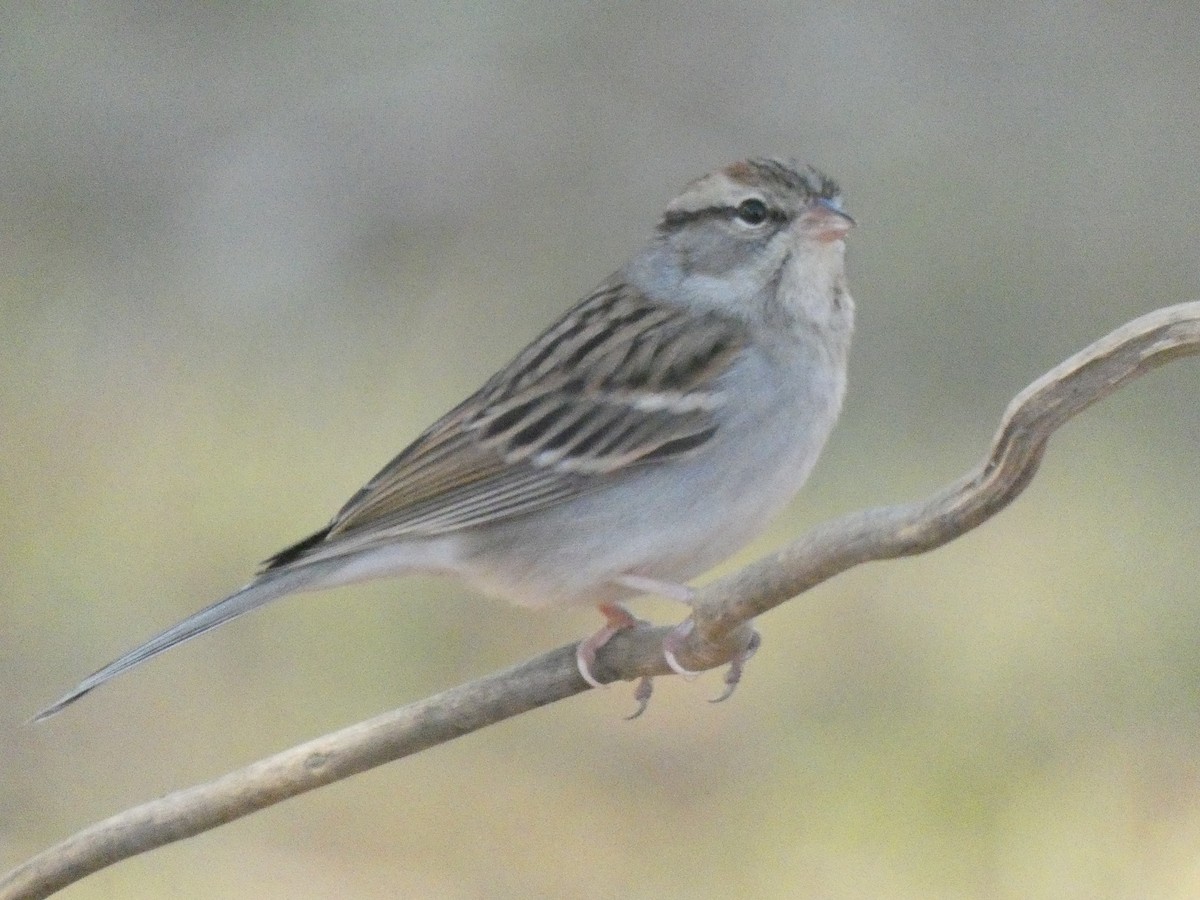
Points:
[(673, 220)]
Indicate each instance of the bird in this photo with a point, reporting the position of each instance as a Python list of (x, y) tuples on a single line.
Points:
[(659, 425)]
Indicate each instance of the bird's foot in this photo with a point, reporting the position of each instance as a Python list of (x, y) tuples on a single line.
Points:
[(672, 644), (616, 618), (674, 641), (733, 675)]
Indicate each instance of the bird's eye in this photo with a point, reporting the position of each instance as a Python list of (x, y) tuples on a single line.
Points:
[(753, 211)]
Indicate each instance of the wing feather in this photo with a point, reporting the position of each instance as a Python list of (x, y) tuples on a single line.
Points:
[(619, 381)]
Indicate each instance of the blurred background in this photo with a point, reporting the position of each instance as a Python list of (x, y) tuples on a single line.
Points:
[(250, 250)]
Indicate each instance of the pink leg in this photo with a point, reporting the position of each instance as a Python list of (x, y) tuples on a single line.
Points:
[(616, 618), (674, 640), (669, 590), (673, 643)]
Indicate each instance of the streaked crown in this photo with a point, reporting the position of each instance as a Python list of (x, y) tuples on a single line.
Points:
[(753, 192)]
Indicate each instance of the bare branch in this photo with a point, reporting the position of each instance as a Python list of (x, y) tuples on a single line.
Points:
[(722, 620)]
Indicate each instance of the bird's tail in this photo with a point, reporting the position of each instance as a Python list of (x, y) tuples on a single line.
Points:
[(263, 590)]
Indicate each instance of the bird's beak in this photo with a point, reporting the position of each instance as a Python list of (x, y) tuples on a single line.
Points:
[(825, 222)]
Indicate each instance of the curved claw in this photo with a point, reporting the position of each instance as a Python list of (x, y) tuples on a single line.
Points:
[(734, 673), (677, 667), (671, 643), (583, 664), (641, 694), (616, 618)]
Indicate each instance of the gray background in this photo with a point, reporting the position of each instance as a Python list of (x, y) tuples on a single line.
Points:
[(249, 251)]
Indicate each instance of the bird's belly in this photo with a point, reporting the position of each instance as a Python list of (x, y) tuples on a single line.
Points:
[(665, 529)]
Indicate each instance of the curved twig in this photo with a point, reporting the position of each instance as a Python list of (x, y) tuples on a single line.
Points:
[(722, 616)]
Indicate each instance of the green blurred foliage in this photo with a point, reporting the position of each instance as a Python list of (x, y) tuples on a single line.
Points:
[(249, 250)]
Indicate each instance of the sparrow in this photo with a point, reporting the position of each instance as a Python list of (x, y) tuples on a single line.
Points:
[(649, 433)]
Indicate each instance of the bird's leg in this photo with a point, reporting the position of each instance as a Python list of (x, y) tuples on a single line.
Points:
[(669, 589), (616, 618), (675, 638)]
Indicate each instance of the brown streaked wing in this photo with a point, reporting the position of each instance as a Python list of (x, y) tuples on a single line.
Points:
[(618, 381)]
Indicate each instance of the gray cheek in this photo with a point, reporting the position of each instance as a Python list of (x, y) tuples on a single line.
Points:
[(723, 248)]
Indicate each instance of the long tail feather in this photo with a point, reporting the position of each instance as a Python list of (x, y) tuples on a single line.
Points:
[(252, 596)]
